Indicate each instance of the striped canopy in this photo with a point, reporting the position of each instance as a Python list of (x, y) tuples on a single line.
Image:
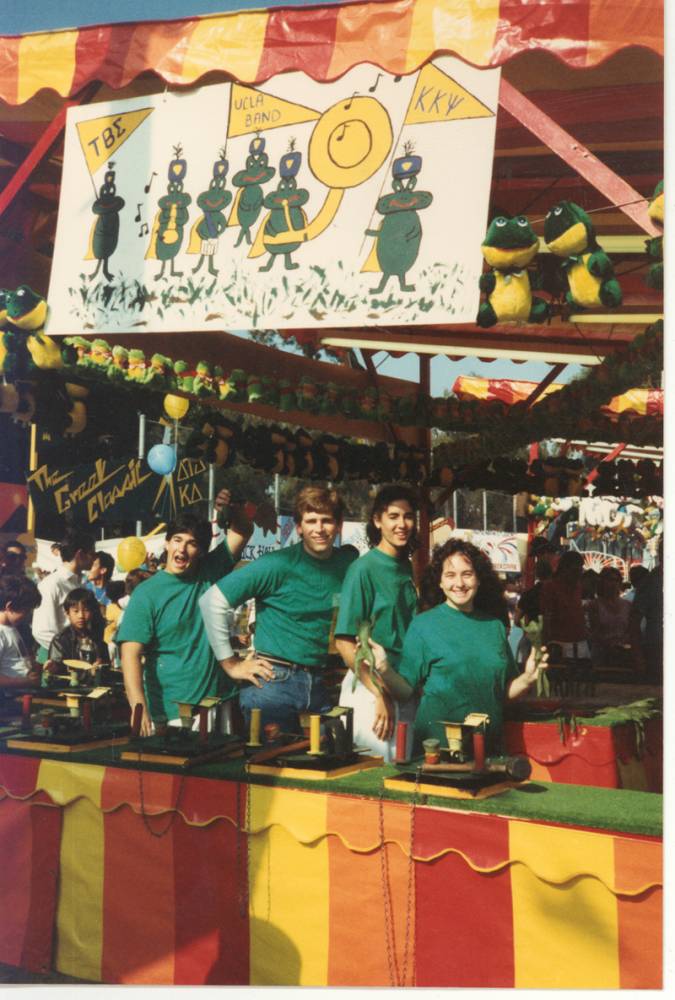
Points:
[(645, 402), (326, 41)]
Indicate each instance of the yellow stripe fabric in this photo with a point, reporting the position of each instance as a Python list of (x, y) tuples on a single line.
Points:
[(46, 60), (565, 929), (79, 912), (233, 42), (468, 28), (288, 888)]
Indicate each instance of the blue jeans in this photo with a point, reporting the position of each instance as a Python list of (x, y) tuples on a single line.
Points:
[(283, 698)]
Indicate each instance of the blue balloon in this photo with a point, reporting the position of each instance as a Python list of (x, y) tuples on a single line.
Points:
[(162, 459)]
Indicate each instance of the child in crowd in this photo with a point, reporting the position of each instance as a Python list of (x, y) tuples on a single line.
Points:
[(82, 638), (18, 597)]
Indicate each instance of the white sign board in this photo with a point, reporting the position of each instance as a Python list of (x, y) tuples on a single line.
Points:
[(502, 550), (292, 204)]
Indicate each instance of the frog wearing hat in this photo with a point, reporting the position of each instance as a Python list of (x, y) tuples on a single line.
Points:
[(398, 239)]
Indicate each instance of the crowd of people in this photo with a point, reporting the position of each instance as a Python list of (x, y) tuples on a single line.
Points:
[(436, 653), (594, 619)]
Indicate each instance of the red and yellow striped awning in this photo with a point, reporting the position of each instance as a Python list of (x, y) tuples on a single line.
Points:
[(643, 402), (325, 42)]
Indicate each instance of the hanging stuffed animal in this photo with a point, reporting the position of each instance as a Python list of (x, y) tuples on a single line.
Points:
[(509, 246), (654, 246), (24, 345), (569, 233)]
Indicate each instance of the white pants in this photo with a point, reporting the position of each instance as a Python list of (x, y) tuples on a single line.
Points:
[(363, 703)]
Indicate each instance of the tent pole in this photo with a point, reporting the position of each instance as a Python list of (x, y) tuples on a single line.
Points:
[(614, 188)]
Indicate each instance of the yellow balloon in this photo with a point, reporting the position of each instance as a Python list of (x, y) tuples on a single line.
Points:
[(131, 554), (176, 406)]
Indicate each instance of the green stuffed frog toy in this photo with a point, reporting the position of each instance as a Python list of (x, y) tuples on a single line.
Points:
[(569, 233), (509, 246), (654, 245)]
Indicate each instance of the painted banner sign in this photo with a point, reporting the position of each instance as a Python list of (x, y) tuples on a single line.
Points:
[(105, 492), (502, 549), (292, 204)]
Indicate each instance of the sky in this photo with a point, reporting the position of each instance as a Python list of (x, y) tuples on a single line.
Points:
[(46, 15)]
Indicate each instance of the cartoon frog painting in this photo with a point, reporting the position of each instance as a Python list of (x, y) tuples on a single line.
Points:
[(209, 226), (399, 236), (286, 212), (249, 201), (106, 227), (170, 221)]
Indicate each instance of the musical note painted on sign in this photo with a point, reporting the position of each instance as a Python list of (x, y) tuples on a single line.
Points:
[(149, 184)]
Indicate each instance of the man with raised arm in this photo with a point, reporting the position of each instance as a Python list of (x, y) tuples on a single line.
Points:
[(166, 657)]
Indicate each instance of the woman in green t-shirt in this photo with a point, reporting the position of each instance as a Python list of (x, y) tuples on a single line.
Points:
[(456, 652), (379, 588)]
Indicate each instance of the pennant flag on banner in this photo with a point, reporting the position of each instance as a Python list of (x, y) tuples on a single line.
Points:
[(439, 98), (100, 138), (255, 111)]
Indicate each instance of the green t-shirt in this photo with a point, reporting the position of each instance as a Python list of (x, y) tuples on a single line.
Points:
[(381, 587), (164, 615), (462, 663), (296, 596)]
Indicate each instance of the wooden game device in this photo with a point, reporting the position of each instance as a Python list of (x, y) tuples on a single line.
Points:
[(183, 746), (328, 752), (82, 727), (461, 769)]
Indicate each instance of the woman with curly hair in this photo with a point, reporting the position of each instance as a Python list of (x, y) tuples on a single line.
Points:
[(456, 652)]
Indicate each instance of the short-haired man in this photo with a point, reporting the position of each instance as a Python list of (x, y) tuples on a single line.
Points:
[(12, 558), (297, 591), (166, 656), (99, 576), (77, 555)]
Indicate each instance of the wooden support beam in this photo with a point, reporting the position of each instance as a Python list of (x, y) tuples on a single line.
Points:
[(42, 147), (614, 453), (544, 384), (422, 554), (577, 156)]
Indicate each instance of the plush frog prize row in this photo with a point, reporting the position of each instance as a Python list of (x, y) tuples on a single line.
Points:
[(509, 246), (569, 233)]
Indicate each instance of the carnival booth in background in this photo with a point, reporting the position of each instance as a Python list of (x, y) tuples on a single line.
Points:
[(475, 179)]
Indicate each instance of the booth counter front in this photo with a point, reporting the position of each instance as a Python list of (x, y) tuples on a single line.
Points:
[(128, 874)]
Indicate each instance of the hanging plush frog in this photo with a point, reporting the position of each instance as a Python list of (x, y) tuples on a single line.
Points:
[(654, 246), (25, 345), (509, 246), (569, 234)]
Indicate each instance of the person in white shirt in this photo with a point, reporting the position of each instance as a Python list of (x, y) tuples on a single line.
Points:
[(18, 597), (77, 555)]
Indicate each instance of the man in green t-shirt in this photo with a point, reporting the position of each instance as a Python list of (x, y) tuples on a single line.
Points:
[(166, 657), (297, 591)]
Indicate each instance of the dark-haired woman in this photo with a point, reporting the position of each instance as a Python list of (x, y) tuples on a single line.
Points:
[(379, 586), (456, 654)]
